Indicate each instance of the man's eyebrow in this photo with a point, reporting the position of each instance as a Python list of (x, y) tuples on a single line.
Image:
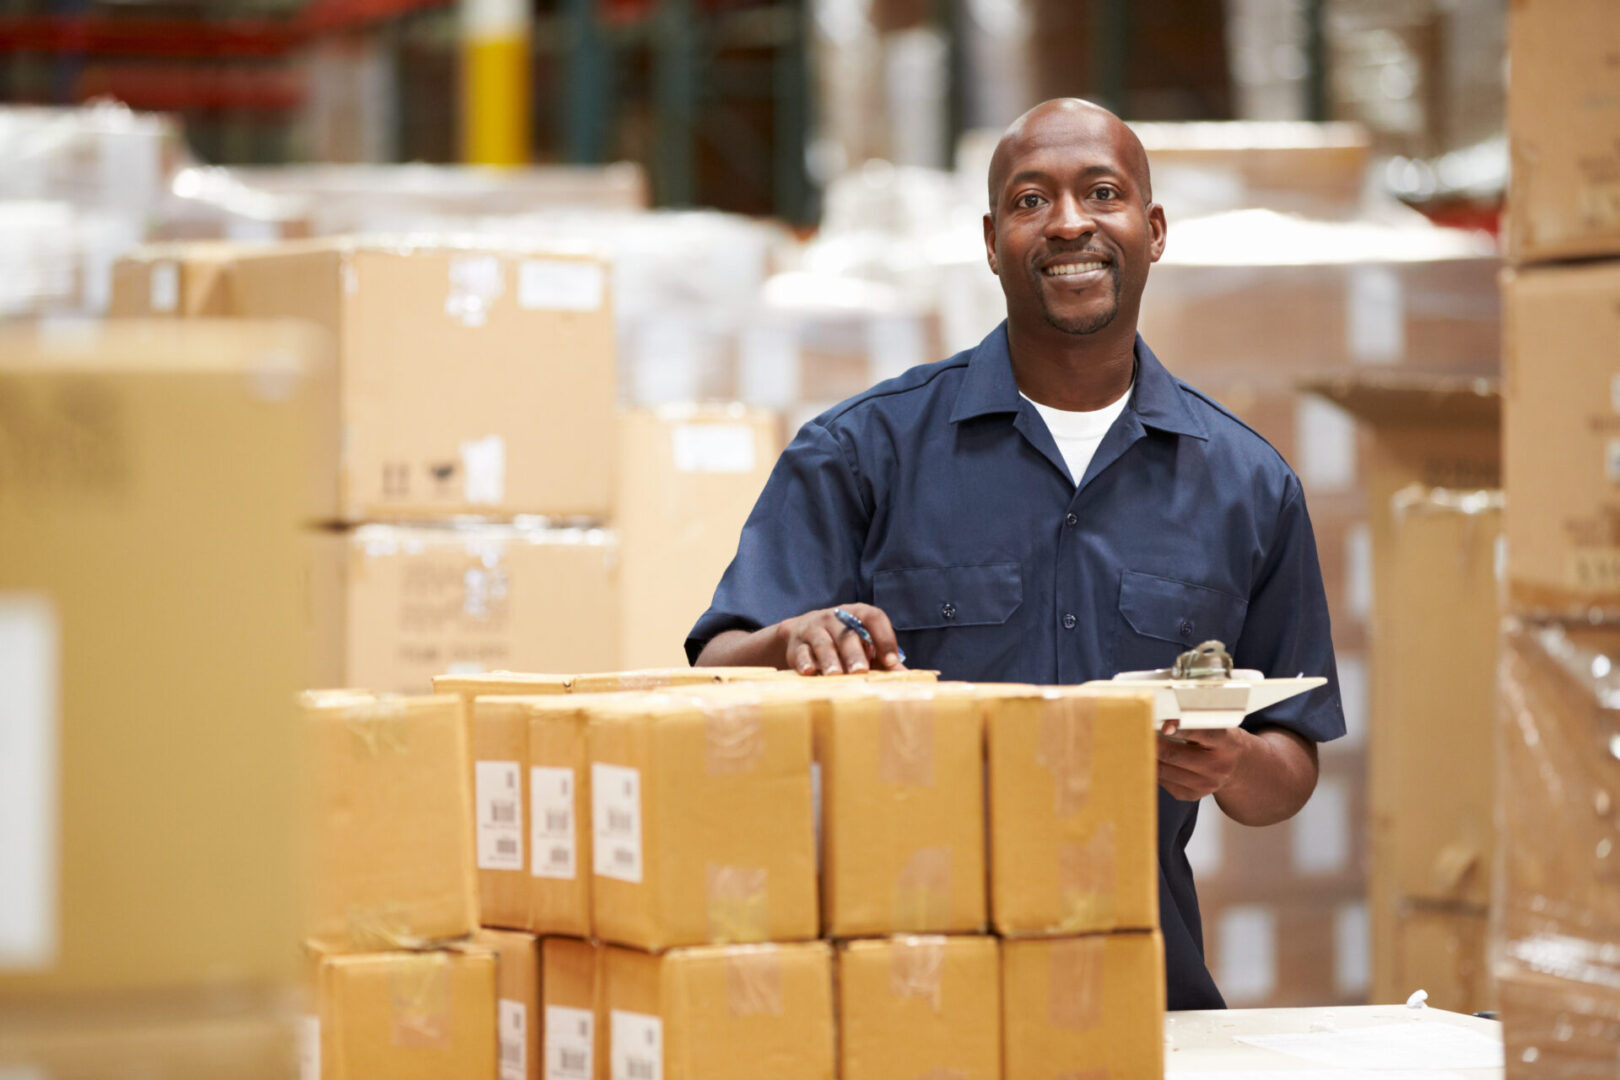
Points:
[(1026, 175)]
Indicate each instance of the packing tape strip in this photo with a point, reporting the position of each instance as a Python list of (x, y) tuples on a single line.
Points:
[(419, 992), (754, 981), (917, 969), (383, 929), (922, 890), (906, 741), (735, 737), (1067, 725), (739, 905), (1088, 882), (378, 724), (1075, 982)]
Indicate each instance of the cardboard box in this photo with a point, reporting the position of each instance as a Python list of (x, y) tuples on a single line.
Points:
[(1558, 1026), (530, 755), (902, 808), (411, 1015), (1073, 811), (1561, 438), (721, 1013), (150, 773), (688, 479), (415, 601), (189, 280), (1079, 1004), (919, 1006), (571, 988), (391, 822), (500, 684), (1564, 186), (474, 381), (517, 1001), (1442, 950), (702, 818), (662, 678)]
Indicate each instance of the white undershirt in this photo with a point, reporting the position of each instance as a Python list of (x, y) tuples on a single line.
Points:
[(1078, 434)]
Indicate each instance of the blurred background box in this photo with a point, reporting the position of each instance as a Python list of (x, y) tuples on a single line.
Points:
[(919, 1006), (181, 279), (475, 380), (1561, 437), (571, 990), (399, 604), (688, 479), (1564, 129), (517, 1002), (98, 1043), (154, 478)]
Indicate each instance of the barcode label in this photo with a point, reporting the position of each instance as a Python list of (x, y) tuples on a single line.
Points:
[(514, 1028), (551, 820), (616, 814), (309, 1048), (569, 1043), (498, 794), (637, 1045)]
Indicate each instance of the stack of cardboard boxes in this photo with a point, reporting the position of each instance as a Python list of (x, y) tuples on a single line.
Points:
[(479, 475), (744, 872), (1558, 872)]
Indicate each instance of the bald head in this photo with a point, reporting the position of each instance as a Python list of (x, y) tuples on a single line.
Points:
[(1068, 121)]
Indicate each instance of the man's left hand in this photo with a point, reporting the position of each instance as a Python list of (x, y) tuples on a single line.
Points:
[(1193, 764)]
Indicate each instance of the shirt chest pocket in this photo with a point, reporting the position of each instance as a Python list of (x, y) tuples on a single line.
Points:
[(938, 597), (1160, 618)]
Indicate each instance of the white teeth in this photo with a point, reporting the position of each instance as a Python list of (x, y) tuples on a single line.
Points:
[(1069, 269)]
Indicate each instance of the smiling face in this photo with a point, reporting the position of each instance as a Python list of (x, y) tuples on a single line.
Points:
[(1072, 227)]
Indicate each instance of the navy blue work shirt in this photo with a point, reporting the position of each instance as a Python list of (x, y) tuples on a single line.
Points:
[(940, 496)]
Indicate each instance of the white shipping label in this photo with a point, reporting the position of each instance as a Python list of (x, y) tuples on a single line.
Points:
[(570, 1043), (29, 665), (553, 851), (498, 791), (637, 1042), (713, 448), (483, 470), (1375, 316), (476, 283), (560, 285), (616, 821), (309, 1048), (1325, 441), (1352, 949), (165, 287), (513, 1024)]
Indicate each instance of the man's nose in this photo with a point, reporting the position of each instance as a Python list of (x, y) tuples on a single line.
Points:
[(1069, 220)]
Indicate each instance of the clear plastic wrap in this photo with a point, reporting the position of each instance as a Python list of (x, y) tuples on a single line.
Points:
[(1557, 928)]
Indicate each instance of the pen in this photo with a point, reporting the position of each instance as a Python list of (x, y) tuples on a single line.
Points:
[(866, 635)]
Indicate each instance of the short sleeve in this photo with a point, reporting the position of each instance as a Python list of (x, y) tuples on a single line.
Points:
[(800, 549), (1287, 631)]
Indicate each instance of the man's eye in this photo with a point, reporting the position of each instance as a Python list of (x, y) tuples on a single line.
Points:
[(1028, 201), (1105, 193)]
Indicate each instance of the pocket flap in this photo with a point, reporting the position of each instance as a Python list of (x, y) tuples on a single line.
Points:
[(932, 597), (1179, 611)]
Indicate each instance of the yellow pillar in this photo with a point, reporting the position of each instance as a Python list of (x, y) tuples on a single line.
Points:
[(495, 98)]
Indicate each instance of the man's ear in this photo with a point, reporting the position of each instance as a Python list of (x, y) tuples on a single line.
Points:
[(990, 243), (1159, 228)]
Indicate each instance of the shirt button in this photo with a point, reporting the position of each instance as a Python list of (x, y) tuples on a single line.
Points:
[(1186, 628), (948, 610), (1070, 520), (1069, 621)]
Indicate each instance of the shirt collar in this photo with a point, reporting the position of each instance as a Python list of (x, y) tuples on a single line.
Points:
[(989, 387)]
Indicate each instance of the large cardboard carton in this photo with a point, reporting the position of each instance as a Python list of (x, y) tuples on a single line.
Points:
[(688, 478), (1561, 438), (517, 1001), (1073, 817), (1442, 950), (1559, 1026), (415, 601), (499, 748), (702, 818), (390, 821), (661, 678), (571, 990), (1081, 1004), (919, 1006), (178, 280), (721, 1013), (150, 660), (474, 381), (902, 808), (412, 1015), (500, 684), (1563, 119)]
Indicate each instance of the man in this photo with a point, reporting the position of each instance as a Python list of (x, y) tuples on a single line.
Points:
[(1052, 506)]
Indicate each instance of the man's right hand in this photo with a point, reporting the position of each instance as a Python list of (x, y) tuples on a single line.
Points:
[(815, 643)]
